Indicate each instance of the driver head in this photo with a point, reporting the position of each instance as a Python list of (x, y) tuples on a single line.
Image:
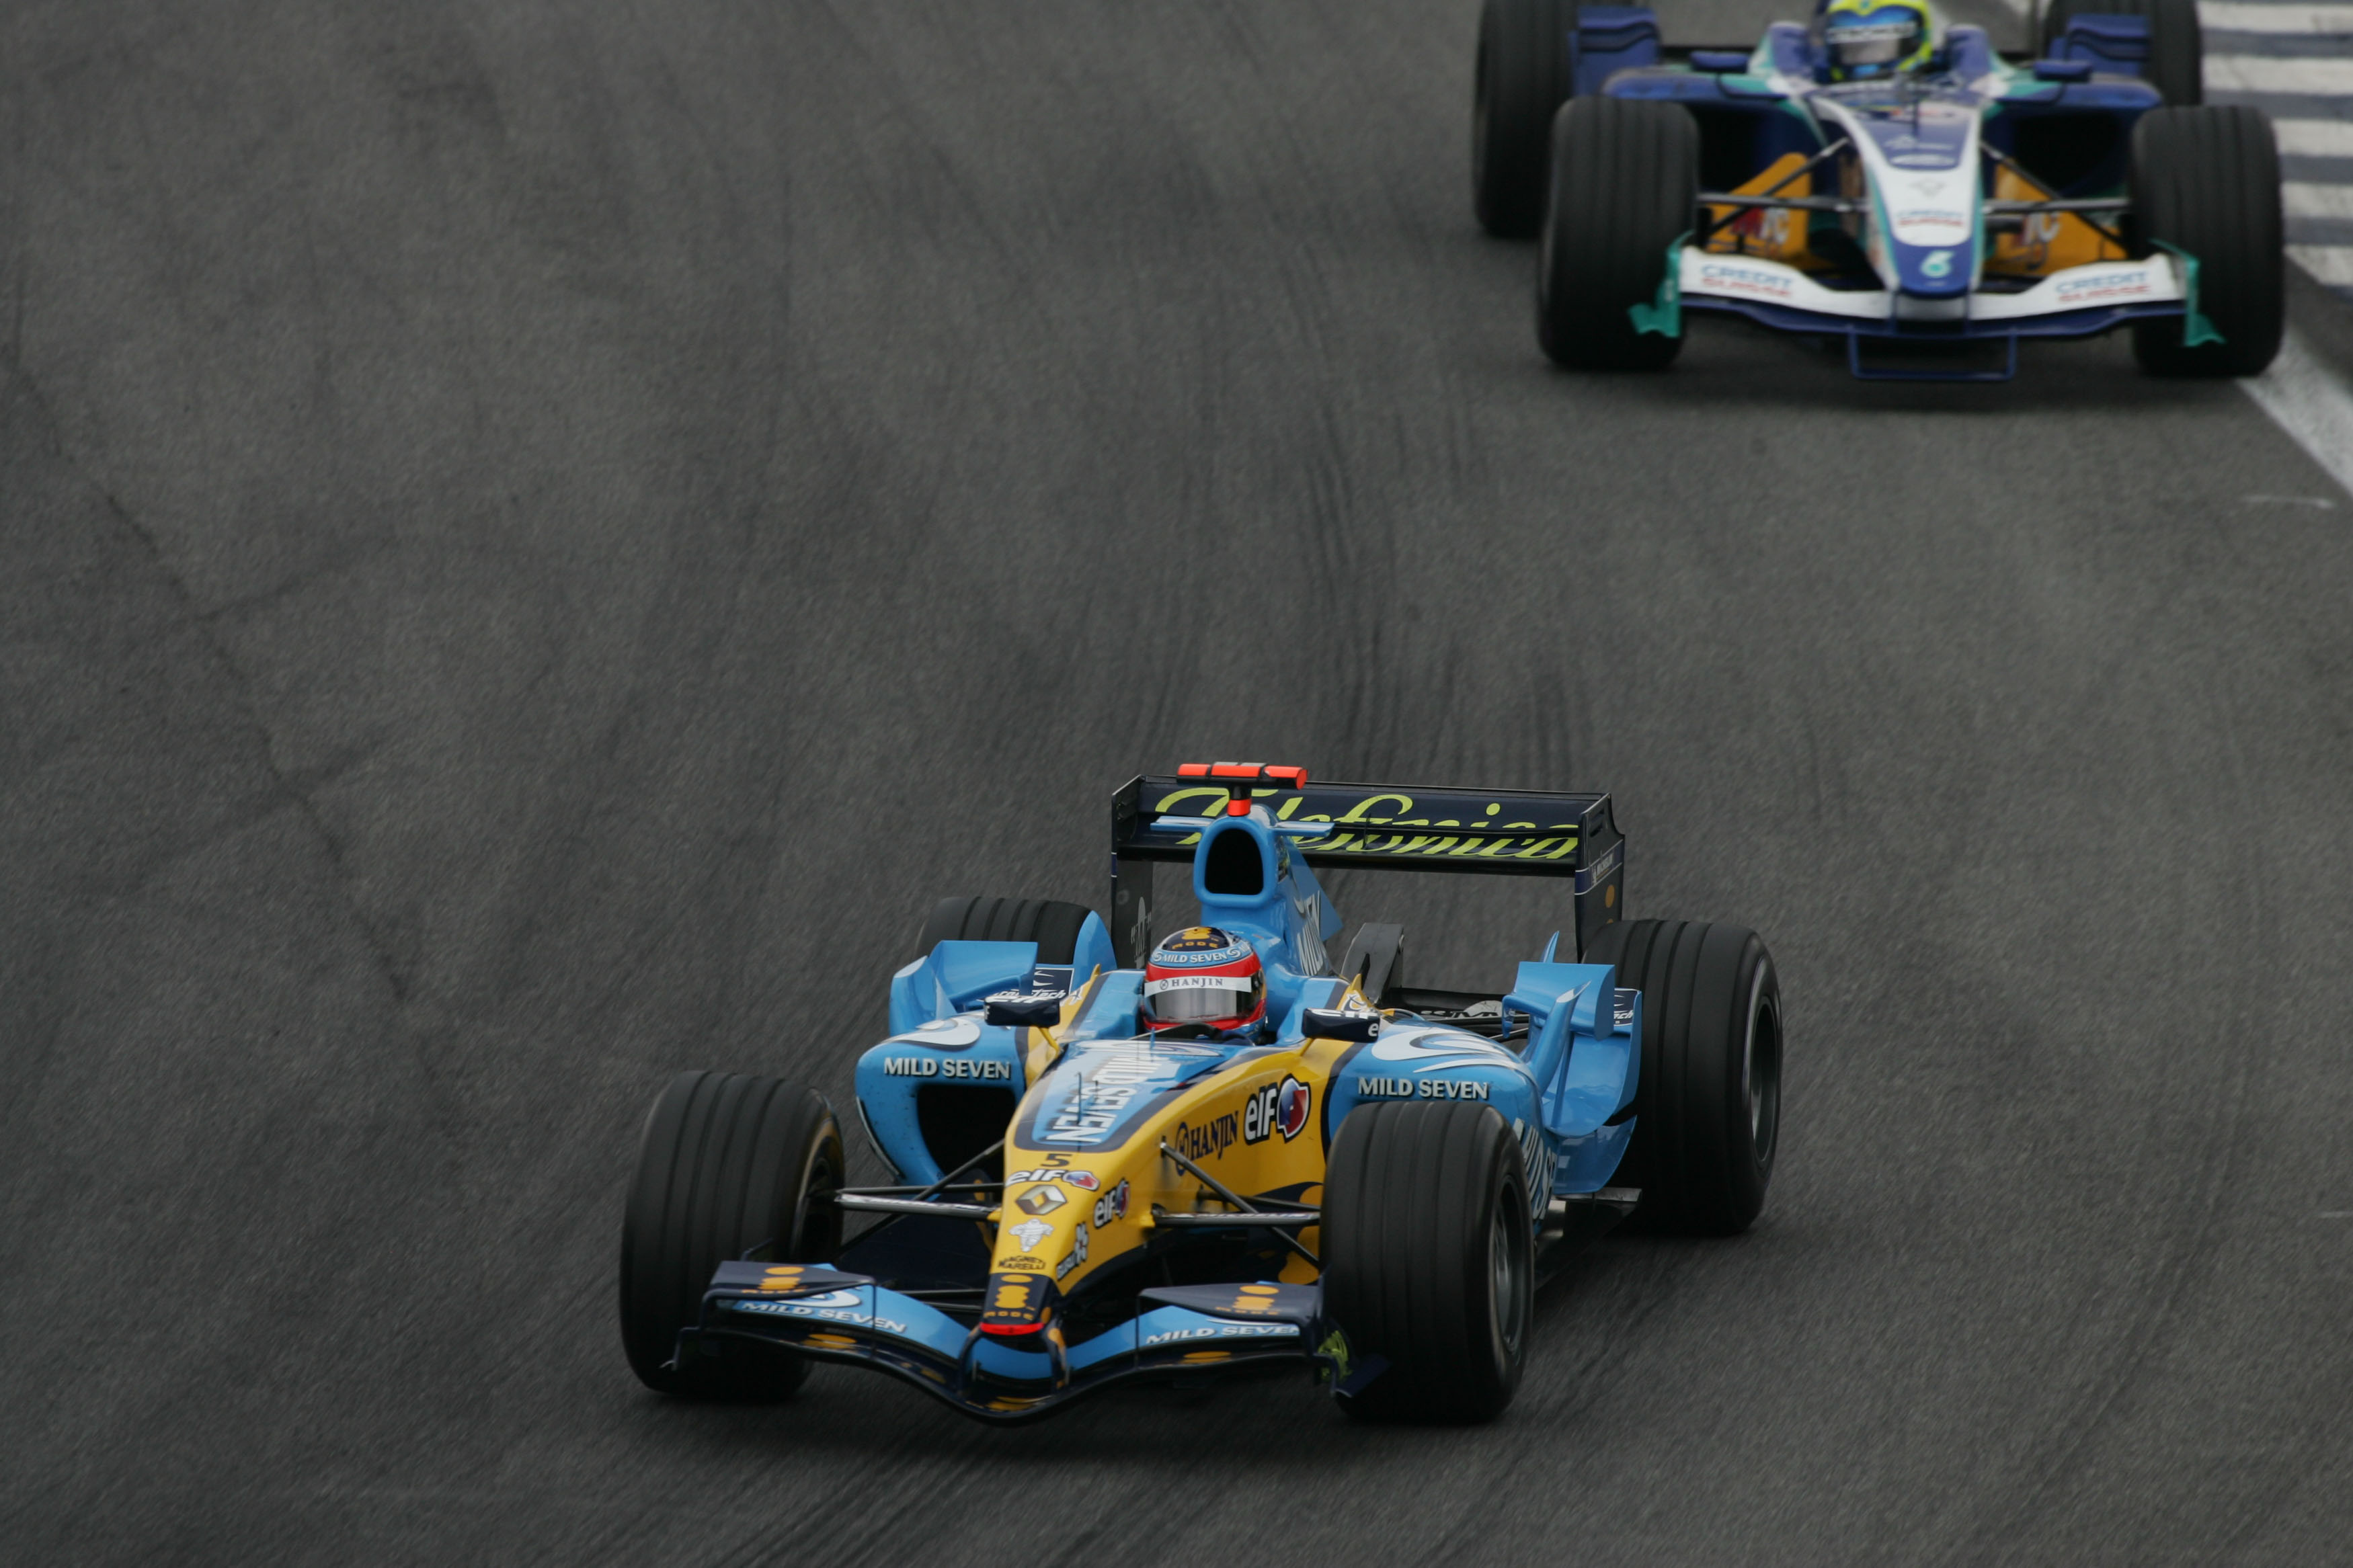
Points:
[(1203, 983), (1864, 41)]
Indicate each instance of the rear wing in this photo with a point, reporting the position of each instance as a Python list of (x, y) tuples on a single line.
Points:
[(1396, 827)]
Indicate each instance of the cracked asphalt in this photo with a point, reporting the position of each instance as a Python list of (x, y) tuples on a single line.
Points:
[(537, 540)]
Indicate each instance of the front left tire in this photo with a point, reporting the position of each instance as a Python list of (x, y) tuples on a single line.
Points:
[(1707, 1098), (2207, 181), (1428, 1257)]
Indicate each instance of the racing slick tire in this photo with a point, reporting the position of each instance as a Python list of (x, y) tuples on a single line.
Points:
[(1051, 924), (1522, 76), (725, 1164), (1624, 186), (2208, 181), (2176, 65), (1427, 1258), (1707, 1104)]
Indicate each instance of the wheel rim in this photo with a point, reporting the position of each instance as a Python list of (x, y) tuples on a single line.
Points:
[(816, 1234), (1507, 1279), (1762, 1073)]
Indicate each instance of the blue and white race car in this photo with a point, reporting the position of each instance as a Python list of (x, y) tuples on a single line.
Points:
[(1114, 1156), (1925, 202)]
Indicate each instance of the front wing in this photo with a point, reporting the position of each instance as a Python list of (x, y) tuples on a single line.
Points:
[(829, 1315), (2075, 302)]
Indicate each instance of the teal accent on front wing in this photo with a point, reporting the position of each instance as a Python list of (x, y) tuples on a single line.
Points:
[(2196, 329), (1664, 314)]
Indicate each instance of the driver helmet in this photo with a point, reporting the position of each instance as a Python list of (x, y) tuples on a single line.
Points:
[(1863, 40), (1203, 980)]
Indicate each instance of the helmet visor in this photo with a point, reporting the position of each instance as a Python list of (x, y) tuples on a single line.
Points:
[(1200, 998), (1876, 43)]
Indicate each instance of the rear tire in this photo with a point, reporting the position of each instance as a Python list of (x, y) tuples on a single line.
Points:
[(1427, 1258), (725, 1164), (1624, 186), (1051, 924), (2208, 180), (1707, 1105), (2176, 66), (1523, 75)]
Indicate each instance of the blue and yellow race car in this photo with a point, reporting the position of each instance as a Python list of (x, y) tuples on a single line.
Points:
[(1925, 203), (1113, 1157)]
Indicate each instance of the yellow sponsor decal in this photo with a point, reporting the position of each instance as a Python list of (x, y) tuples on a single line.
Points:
[(1554, 841)]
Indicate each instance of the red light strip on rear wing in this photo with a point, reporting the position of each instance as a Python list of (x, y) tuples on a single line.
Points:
[(1239, 778)]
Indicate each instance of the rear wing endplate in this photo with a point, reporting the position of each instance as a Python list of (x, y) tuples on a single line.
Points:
[(1396, 827)]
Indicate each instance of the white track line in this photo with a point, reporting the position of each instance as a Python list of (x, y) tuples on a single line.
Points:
[(2261, 73), (2315, 138), (2302, 395), (2239, 17), (2330, 264), (2299, 392), (2306, 399), (2303, 198)]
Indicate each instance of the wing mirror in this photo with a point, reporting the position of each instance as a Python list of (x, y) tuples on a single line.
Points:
[(1027, 1009), (1339, 1023)]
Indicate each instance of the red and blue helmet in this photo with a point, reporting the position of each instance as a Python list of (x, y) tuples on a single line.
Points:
[(1203, 978)]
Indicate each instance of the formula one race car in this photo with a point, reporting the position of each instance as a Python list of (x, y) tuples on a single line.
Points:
[(1115, 1158), (1928, 204)]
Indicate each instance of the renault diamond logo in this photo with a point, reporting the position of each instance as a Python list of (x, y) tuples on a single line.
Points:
[(1042, 1200)]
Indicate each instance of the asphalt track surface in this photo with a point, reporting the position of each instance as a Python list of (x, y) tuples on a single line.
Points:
[(539, 539)]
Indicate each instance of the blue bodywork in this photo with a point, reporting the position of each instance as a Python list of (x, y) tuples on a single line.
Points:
[(1566, 1064), (1559, 1061), (1914, 159)]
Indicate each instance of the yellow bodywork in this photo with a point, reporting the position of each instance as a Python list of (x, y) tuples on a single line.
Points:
[(1101, 1201), (2046, 242), (1775, 234)]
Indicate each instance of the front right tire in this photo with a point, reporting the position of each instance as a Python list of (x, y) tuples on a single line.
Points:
[(726, 1164), (1624, 188)]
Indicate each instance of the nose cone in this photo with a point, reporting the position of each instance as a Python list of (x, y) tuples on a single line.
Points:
[(1019, 1306), (1935, 276)]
